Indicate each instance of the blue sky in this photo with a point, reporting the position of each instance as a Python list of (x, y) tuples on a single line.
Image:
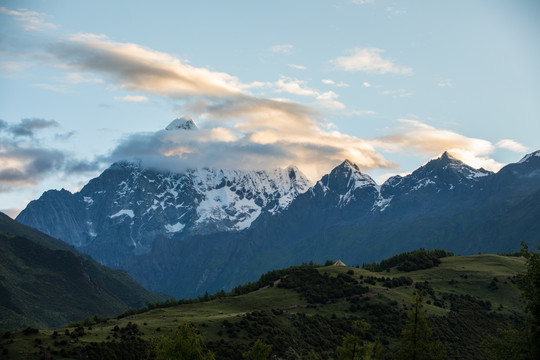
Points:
[(386, 84)]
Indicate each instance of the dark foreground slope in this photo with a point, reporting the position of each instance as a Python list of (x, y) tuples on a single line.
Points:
[(305, 311), (45, 282)]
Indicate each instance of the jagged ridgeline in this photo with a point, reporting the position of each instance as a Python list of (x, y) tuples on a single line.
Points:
[(307, 311), (206, 230)]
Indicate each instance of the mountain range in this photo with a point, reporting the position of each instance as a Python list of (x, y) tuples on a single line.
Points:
[(211, 229)]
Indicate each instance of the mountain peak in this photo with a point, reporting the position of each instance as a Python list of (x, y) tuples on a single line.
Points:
[(446, 155), (529, 156), (183, 123), (349, 164)]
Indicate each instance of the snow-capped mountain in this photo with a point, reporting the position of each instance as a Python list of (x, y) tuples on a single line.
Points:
[(183, 123), (440, 174), (210, 229), (128, 206), (345, 184)]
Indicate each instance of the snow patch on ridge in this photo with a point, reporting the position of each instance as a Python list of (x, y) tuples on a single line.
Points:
[(122, 212), (174, 228)]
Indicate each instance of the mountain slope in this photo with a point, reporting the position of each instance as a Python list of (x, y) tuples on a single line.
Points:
[(311, 308), (46, 283)]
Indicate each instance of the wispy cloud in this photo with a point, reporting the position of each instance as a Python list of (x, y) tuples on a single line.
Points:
[(298, 87), (400, 93), (370, 60), (512, 145), (285, 49), (362, 2), (299, 67), (445, 83), (134, 67), (366, 84), (332, 82), (51, 87), (78, 78), (131, 98), (31, 20), (13, 66), (395, 11), (361, 113)]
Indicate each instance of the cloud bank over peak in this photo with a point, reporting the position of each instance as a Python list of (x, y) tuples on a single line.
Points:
[(241, 130)]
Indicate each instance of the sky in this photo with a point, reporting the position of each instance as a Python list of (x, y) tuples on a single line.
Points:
[(388, 85)]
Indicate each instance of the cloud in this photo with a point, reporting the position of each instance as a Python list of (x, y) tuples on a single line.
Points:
[(361, 113), (362, 2), (285, 49), (13, 66), (366, 84), (252, 133), (369, 60), (299, 67), (241, 130), (400, 93), (332, 82), (135, 68), (512, 145), (131, 98), (31, 20), (445, 83), (55, 88), (28, 127), (24, 162), (413, 136), (78, 78), (298, 87), (393, 11)]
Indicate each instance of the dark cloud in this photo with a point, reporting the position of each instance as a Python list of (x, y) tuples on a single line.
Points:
[(28, 127), (25, 162), (64, 136), (25, 165)]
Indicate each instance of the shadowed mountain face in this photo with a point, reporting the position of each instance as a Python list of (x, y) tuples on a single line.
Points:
[(47, 283), (207, 229)]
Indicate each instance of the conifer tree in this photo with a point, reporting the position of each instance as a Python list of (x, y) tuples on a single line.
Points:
[(415, 342)]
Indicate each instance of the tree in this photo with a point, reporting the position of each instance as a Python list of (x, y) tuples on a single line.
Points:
[(259, 351), (522, 344), (529, 284), (185, 344), (415, 342), (353, 349)]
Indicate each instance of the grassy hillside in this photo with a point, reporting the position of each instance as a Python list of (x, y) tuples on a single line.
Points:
[(46, 283), (309, 309)]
